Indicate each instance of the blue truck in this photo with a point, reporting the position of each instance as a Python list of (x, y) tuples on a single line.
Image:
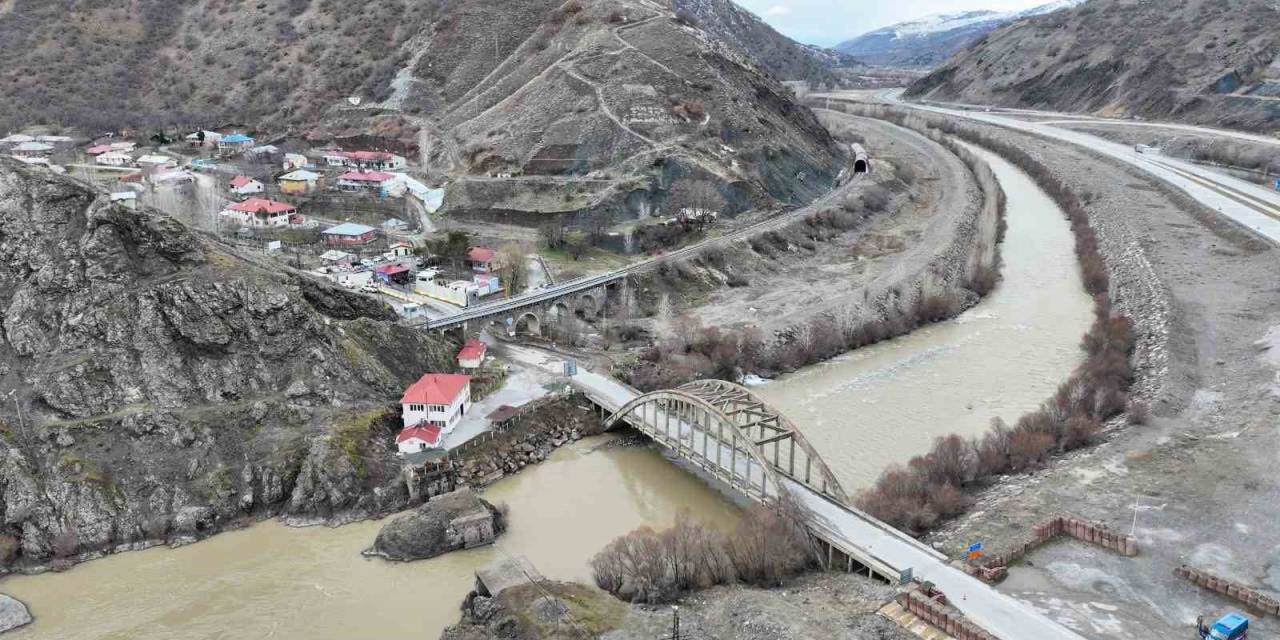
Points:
[(1232, 626)]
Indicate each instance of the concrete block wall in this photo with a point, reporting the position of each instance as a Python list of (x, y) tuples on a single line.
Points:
[(993, 568), (1234, 590), (931, 606)]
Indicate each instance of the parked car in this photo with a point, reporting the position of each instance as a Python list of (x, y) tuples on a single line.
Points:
[(350, 284), (369, 287), (368, 263)]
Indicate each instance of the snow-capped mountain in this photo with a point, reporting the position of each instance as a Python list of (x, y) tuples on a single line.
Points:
[(928, 41)]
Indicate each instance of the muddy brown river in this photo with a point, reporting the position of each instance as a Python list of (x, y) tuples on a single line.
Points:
[(273, 581), (862, 411), (1002, 358)]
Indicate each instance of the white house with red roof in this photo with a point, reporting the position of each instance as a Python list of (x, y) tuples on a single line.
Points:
[(244, 185), (436, 399), (384, 184), (375, 160), (419, 438), (260, 212), (481, 259), (471, 356)]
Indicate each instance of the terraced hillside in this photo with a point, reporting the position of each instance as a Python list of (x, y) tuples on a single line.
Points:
[(482, 87)]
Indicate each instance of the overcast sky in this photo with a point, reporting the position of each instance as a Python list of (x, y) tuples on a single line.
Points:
[(828, 22)]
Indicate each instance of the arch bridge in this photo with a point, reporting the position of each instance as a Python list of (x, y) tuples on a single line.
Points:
[(726, 431), (730, 433)]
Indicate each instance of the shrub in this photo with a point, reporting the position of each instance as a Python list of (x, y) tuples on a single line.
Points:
[(65, 544), (9, 547), (1139, 412)]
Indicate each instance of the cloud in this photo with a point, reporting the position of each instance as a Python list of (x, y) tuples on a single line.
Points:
[(777, 10)]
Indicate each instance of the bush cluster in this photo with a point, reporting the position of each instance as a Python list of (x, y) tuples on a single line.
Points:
[(769, 544)]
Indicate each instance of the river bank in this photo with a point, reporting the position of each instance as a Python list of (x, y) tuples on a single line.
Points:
[(1202, 294), (314, 582), (1000, 359)]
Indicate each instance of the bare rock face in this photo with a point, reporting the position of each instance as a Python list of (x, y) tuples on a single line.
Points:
[(13, 613), (166, 387), (453, 521)]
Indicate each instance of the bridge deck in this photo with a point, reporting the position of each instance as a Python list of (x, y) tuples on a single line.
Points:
[(867, 540)]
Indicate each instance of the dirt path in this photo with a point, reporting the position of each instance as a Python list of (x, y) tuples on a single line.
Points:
[(893, 246)]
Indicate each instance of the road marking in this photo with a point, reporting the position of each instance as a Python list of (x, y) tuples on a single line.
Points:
[(1252, 202)]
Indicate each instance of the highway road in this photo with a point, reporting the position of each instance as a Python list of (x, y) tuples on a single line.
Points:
[(1251, 206)]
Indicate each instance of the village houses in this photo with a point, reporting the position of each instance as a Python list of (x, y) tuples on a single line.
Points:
[(235, 143), (244, 185), (431, 408), (260, 212), (481, 259), (114, 159), (297, 182), (367, 160), (471, 356), (385, 185), (349, 234)]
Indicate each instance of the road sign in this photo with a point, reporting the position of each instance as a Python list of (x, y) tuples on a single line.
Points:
[(905, 576), (570, 367)]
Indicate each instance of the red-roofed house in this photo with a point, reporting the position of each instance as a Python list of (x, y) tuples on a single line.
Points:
[(98, 150), (472, 354), (244, 185), (439, 399), (379, 160), (387, 185), (481, 259), (418, 438), (260, 212)]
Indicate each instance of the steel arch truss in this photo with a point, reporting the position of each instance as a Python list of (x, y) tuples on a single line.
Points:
[(727, 431)]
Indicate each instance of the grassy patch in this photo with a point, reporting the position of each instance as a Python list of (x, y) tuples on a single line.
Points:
[(352, 435), (594, 260), (590, 611)]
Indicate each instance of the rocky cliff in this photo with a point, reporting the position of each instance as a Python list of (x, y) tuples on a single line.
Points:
[(1204, 61), (162, 386)]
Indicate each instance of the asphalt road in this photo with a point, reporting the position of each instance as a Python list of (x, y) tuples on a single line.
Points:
[(1249, 205)]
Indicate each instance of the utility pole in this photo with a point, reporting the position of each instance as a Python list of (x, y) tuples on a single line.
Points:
[(1134, 528), (675, 622)]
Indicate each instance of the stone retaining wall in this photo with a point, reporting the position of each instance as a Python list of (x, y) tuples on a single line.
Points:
[(1231, 589)]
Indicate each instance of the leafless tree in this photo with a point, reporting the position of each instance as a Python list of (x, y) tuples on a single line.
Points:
[(513, 267)]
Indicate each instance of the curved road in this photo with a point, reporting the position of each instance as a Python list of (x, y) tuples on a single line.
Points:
[(1248, 205)]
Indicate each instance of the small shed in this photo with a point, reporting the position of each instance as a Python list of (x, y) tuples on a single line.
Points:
[(471, 356), (393, 274)]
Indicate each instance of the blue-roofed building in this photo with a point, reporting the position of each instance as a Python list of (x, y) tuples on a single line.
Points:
[(235, 142), (349, 234)]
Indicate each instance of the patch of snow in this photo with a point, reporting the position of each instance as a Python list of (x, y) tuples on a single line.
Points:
[(944, 22)]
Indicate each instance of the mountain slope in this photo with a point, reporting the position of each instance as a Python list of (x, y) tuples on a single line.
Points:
[(163, 385), (479, 86), (929, 41), (1204, 61), (783, 57)]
